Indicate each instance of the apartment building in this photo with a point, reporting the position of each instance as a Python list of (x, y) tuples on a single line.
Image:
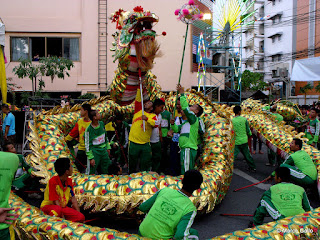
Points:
[(253, 39), (268, 44)]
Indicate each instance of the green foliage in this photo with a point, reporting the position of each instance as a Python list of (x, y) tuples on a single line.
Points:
[(252, 81), (306, 88), (47, 66), (87, 96), (24, 98), (317, 88)]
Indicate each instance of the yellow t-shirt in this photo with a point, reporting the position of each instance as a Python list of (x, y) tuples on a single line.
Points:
[(78, 131), (137, 135)]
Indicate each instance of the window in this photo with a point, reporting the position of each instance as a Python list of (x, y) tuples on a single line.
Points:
[(279, 57), (279, 18), (274, 73), (274, 20), (273, 39), (279, 37), (273, 2), (35, 47)]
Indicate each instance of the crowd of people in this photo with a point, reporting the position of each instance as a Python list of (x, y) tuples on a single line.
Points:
[(292, 175), (150, 141), (154, 140)]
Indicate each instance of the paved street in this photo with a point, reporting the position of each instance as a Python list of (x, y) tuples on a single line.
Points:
[(210, 225)]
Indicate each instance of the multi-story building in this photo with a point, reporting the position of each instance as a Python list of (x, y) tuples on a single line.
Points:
[(268, 42), (253, 39), (278, 43), (80, 30)]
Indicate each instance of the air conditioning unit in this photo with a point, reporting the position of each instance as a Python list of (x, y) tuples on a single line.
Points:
[(283, 72)]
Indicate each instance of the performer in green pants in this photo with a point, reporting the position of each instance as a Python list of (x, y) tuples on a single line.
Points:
[(97, 145), (189, 130), (242, 132), (282, 200), (302, 169), (170, 212)]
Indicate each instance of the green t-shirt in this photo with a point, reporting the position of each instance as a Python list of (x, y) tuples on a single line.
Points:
[(165, 122), (312, 131), (189, 130), (303, 161), (95, 137), (241, 129), (279, 117), (9, 163), (166, 212), (288, 199)]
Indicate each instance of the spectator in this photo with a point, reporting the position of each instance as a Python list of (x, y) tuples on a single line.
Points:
[(59, 192), (9, 125)]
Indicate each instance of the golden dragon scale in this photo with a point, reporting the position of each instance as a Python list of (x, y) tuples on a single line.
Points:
[(278, 137), (123, 194)]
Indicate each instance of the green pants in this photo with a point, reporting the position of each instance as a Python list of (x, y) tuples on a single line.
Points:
[(297, 176), (187, 159), (5, 234), (19, 182), (244, 149), (156, 156), (102, 161), (139, 157), (266, 209)]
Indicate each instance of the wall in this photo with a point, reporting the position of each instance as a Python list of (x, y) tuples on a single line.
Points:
[(283, 46), (303, 8), (56, 18)]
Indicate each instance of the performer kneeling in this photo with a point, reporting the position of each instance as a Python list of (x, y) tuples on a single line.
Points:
[(171, 212), (59, 192), (282, 200)]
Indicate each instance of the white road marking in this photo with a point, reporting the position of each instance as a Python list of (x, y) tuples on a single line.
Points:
[(262, 186)]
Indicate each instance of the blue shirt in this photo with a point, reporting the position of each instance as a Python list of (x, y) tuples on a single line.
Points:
[(10, 121)]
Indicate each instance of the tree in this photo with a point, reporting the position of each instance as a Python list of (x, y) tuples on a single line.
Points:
[(252, 81), (304, 90), (87, 96), (47, 66)]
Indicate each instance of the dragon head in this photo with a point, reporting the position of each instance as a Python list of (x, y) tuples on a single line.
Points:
[(135, 28)]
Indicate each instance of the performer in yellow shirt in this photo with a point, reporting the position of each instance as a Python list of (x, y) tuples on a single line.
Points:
[(139, 140), (78, 132)]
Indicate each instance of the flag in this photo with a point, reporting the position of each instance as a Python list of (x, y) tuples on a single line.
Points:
[(3, 79)]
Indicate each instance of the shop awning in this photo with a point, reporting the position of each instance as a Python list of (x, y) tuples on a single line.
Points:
[(306, 70)]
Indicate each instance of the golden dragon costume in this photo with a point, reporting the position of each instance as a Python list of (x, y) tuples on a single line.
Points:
[(123, 194)]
